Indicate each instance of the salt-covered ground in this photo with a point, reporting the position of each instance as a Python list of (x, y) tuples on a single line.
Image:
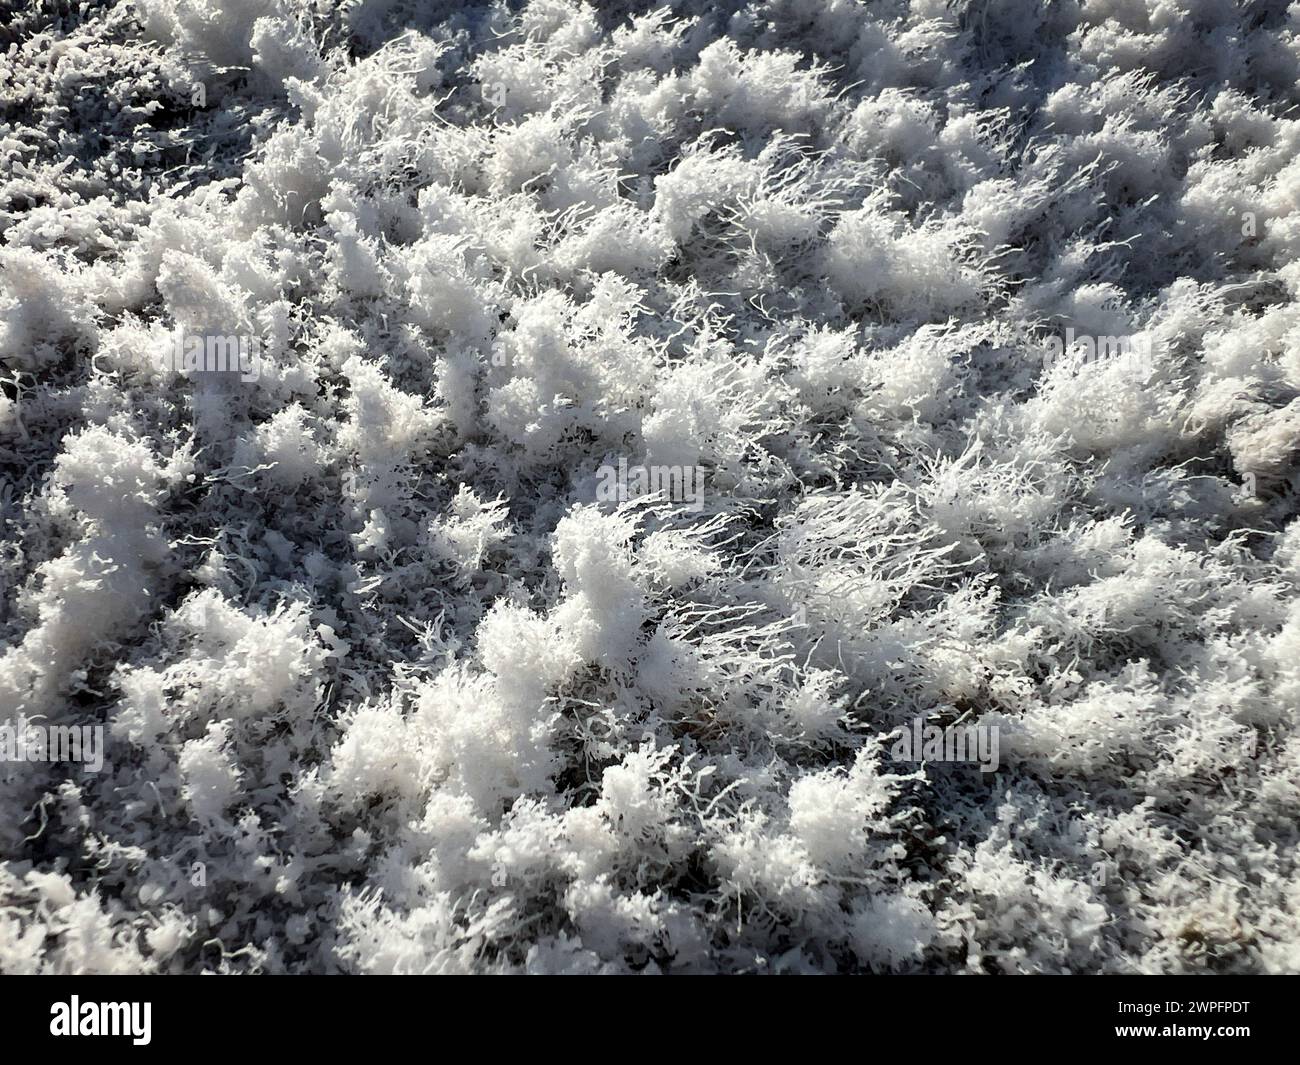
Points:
[(962, 340)]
